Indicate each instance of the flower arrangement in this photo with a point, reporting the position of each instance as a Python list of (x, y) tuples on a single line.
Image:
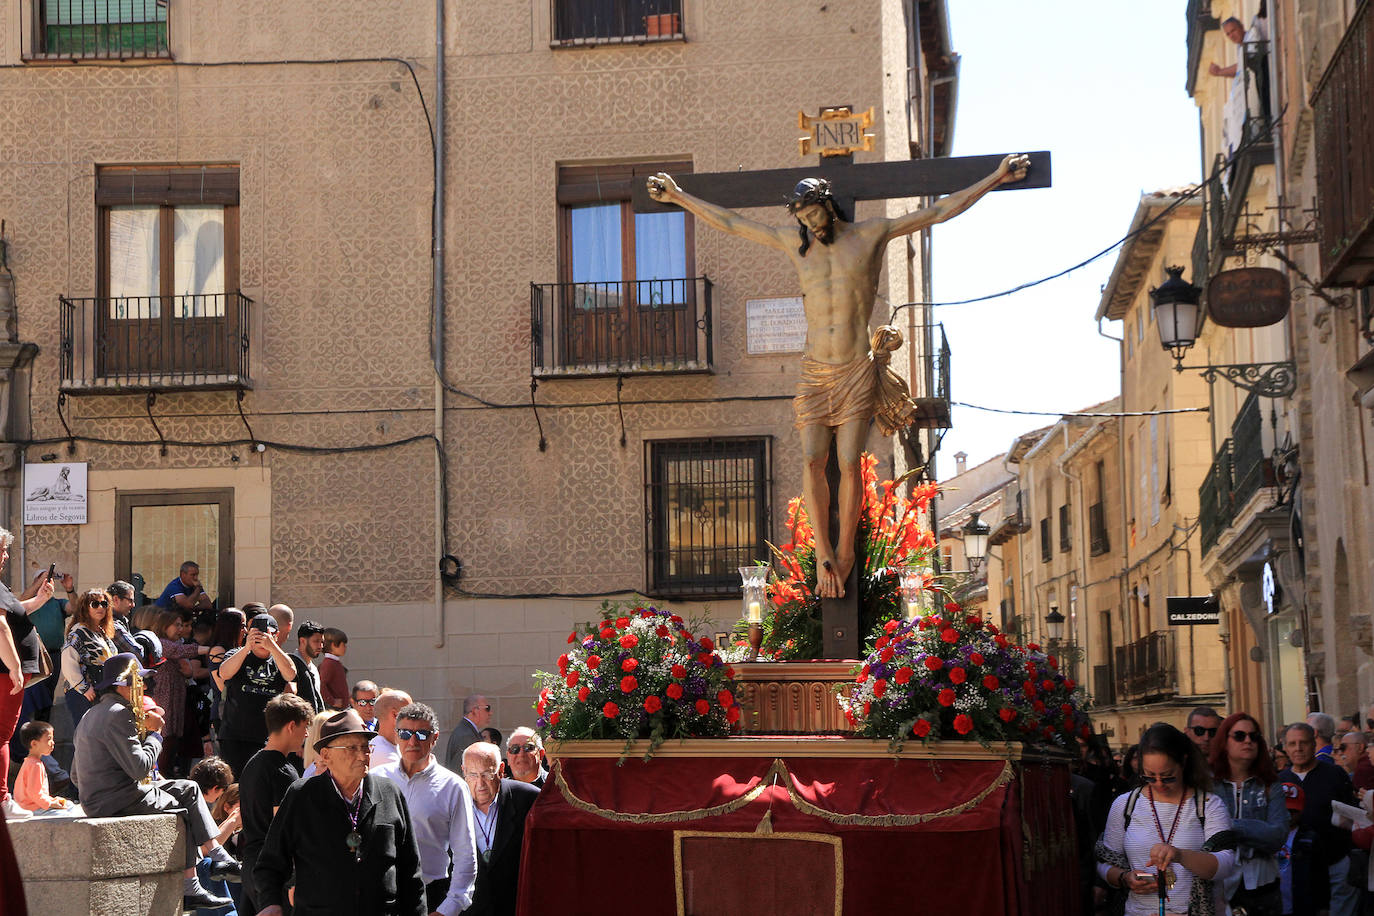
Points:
[(889, 527), (954, 675), (637, 673)]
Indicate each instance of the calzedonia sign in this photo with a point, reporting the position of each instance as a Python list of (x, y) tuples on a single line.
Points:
[(1248, 297), (1194, 612)]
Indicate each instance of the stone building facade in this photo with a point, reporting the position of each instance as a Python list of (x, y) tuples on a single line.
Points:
[(219, 230)]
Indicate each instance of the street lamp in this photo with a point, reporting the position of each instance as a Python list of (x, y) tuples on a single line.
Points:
[(1178, 315), (975, 543), (1055, 621)]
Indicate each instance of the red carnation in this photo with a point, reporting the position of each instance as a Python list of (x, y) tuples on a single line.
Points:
[(957, 675), (903, 674), (679, 671), (886, 654), (1039, 706), (1034, 647), (992, 628), (949, 634), (674, 691), (582, 694), (732, 715), (1047, 684), (952, 608), (1053, 663), (622, 622), (1084, 731), (879, 687), (629, 664), (1066, 709), (867, 706), (863, 676), (706, 644), (593, 661), (963, 724), (1029, 688), (662, 631), (629, 641), (607, 633), (563, 662), (628, 683), (703, 707), (921, 728), (730, 672), (890, 626), (923, 623), (572, 637), (1030, 668), (991, 682), (1049, 732), (705, 659), (610, 710), (572, 679), (1007, 713), (675, 618), (881, 642), (975, 622), (976, 657), (1001, 641), (934, 663), (553, 719), (725, 698), (652, 704), (1070, 683), (946, 697)]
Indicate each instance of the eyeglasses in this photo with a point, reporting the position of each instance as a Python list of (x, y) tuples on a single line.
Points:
[(420, 734), (1209, 732), (1243, 736), (1162, 780), (487, 708), (521, 749), (100, 604), (361, 749), (366, 702), (487, 774)]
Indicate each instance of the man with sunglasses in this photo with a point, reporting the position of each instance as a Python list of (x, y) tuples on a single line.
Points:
[(1203, 723), (476, 716), (525, 757), (365, 702), (440, 810)]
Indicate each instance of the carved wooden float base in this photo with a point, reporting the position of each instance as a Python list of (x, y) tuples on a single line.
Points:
[(793, 698)]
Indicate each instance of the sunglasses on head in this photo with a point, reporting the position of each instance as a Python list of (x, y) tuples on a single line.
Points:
[(1243, 736), (1200, 730), (420, 734), (521, 749), (1162, 780)]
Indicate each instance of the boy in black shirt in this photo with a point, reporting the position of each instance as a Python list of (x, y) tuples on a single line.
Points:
[(268, 775)]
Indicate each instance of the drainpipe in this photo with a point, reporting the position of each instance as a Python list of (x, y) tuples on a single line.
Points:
[(1122, 583), (1077, 481), (437, 341)]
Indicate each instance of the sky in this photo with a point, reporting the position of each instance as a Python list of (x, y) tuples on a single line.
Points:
[(1101, 86)]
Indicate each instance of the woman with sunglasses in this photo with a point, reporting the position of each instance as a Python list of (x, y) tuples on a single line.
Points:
[(1173, 826), (1250, 786), (90, 641)]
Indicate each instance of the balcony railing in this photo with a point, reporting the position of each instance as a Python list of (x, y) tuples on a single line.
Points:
[(930, 389), (101, 29), (1146, 669), (1104, 688), (1215, 502), (1014, 522), (1252, 468), (1200, 22), (1098, 542), (577, 22), (1200, 248), (620, 328), (1344, 138), (154, 343)]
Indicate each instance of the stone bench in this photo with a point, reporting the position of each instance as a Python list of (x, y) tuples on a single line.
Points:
[(105, 866)]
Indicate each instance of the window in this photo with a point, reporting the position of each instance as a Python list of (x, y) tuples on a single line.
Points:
[(109, 29), (584, 21), (626, 297), (706, 508), (158, 530), (1045, 551), (1065, 541), (168, 281)]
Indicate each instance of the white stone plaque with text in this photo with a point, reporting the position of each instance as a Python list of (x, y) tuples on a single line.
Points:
[(55, 493), (775, 325)]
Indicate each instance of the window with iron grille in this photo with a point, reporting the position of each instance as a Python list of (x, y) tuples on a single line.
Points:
[(1045, 551), (102, 29), (1065, 542), (592, 21), (706, 512)]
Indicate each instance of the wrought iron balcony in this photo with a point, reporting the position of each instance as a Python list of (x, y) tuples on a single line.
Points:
[(620, 328), (1216, 505), (1200, 22), (1345, 156), (99, 29), (154, 343), (1146, 669), (1252, 468), (1015, 520), (1098, 541), (579, 22), (930, 388)]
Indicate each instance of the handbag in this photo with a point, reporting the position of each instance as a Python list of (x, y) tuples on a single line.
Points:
[(44, 668)]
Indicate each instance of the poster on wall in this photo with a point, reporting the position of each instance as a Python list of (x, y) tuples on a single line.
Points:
[(55, 493)]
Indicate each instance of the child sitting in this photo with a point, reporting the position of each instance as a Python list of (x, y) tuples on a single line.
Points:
[(31, 786)]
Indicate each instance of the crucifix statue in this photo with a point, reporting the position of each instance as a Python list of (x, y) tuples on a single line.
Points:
[(845, 381)]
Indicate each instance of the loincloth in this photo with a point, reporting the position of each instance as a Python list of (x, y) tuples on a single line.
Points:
[(830, 395)]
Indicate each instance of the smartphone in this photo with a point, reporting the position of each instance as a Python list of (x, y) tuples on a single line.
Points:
[(52, 568), (1145, 874)]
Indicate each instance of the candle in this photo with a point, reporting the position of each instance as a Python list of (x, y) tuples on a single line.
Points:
[(913, 610), (755, 612)]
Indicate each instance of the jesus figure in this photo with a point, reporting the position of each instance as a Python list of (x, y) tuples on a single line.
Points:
[(844, 383)]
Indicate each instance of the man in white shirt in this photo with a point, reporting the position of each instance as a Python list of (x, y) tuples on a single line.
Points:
[(384, 749), (440, 809)]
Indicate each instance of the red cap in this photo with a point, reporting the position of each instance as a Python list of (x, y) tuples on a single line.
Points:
[(1293, 796)]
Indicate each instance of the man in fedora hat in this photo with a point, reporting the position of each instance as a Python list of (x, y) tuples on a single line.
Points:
[(346, 834), (112, 760)]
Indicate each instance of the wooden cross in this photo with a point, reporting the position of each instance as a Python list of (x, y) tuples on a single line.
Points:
[(849, 183)]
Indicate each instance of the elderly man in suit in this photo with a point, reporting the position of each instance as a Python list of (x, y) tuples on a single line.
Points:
[(346, 833), (468, 730), (499, 810), (116, 748)]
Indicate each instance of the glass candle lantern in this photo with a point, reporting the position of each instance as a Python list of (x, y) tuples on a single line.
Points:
[(911, 579), (754, 579)]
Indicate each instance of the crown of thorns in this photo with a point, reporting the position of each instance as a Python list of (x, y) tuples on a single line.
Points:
[(809, 191)]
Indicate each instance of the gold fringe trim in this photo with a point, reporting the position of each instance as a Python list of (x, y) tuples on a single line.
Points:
[(779, 769)]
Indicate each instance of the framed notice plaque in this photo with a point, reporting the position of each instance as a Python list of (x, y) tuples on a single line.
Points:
[(775, 325), (55, 493)]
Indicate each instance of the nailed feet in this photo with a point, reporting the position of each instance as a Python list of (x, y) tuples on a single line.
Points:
[(829, 581)]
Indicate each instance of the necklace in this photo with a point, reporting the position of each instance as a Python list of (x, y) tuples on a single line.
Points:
[(354, 840), (485, 823), (1169, 840)]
